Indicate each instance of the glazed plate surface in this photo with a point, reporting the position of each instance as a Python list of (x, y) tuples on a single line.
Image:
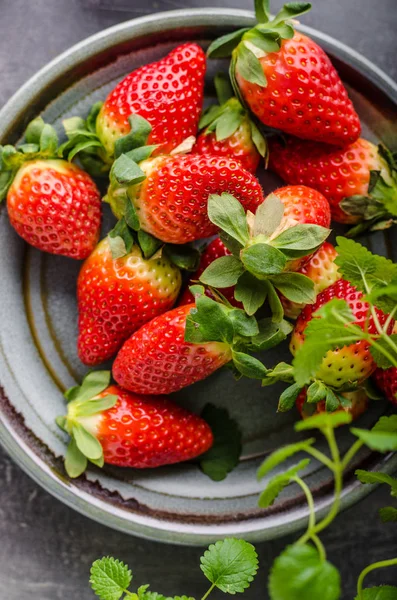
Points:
[(38, 323)]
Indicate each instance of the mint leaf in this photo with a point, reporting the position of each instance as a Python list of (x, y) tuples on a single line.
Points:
[(277, 483), (249, 366), (230, 565), (382, 437), (224, 455), (324, 420), (251, 292), (228, 214), (299, 572), (381, 360), (110, 578), (383, 592), (223, 272), (263, 260), (374, 477), (279, 456), (388, 514), (295, 286)]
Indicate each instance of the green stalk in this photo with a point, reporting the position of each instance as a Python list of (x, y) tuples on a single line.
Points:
[(378, 565), (209, 591), (312, 513), (351, 453), (321, 457), (330, 435), (319, 546)]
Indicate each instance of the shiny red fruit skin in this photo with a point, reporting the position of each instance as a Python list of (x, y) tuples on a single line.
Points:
[(386, 380), (157, 360), (304, 95), (215, 249), (167, 93), (335, 172), (55, 207), (304, 205), (238, 146), (116, 297), (172, 201), (353, 363), (146, 432)]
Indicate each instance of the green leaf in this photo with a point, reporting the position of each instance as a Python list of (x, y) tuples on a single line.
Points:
[(93, 384), (143, 153), (137, 137), (92, 116), (266, 40), (126, 171), (291, 10), (224, 455), (227, 124), (210, 115), (383, 592), (375, 477), (288, 397), (301, 239), (223, 87), (48, 140), (279, 456), (110, 578), (183, 256), (243, 324), (83, 146), (300, 573), (332, 401), (249, 67), (222, 272), (251, 292), (230, 565), (228, 214), (231, 244), (86, 442), (34, 130), (6, 178), (275, 303), (277, 483), (95, 406), (249, 366), (148, 243), (381, 360), (262, 11), (208, 322), (316, 392), (223, 46), (324, 421), (270, 334), (382, 437), (75, 461), (388, 514), (281, 372), (259, 140), (263, 260), (296, 287), (268, 216), (120, 240)]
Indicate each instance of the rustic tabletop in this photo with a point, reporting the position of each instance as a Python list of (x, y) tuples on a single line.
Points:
[(46, 548)]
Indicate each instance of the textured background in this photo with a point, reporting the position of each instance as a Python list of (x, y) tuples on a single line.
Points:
[(46, 548)]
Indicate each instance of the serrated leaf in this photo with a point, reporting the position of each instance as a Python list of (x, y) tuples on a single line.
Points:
[(251, 292), (388, 514), (249, 366), (262, 260), (383, 592), (324, 421), (228, 214), (75, 461), (223, 272), (374, 477), (382, 437), (223, 46), (110, 578), (295, 286), (230, 565), (300, 573), (249, 67), (277, 483), (224, 455), (381, 360), (86, 442), (332, 401), (279, 456), (288, 397)]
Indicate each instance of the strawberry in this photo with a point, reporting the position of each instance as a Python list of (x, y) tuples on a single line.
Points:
[(359, 181), (116, 296), (214, 250), (167, 93), (168, 194), (349, 364), (356, 403), (386, 380), (157, 360), (110, 425), (52, 204), (322, 270), (229, 131), (287, 80)]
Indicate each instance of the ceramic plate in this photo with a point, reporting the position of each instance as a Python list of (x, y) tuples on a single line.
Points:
[(38, 329)]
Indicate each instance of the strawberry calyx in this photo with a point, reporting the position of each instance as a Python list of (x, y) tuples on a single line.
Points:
[(378, 209), (213, 321), (41, 142), (82, 421), (223, 119), (263, 247)]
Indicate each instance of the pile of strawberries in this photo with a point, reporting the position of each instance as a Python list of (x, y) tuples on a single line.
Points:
[(177, 176)]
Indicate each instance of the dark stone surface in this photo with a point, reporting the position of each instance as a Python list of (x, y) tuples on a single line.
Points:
[(46, 548)]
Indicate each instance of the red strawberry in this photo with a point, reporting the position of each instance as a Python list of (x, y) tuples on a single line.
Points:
[(167, 93), (288, 81), (214, 250), (349, 364), (157, 360), (358, 406), (341, 175), (386, 380), (128, 430), (322, 270), (116, 296), (171, 202)]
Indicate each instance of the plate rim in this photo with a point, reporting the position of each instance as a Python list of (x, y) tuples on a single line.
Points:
[(19, 450)]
